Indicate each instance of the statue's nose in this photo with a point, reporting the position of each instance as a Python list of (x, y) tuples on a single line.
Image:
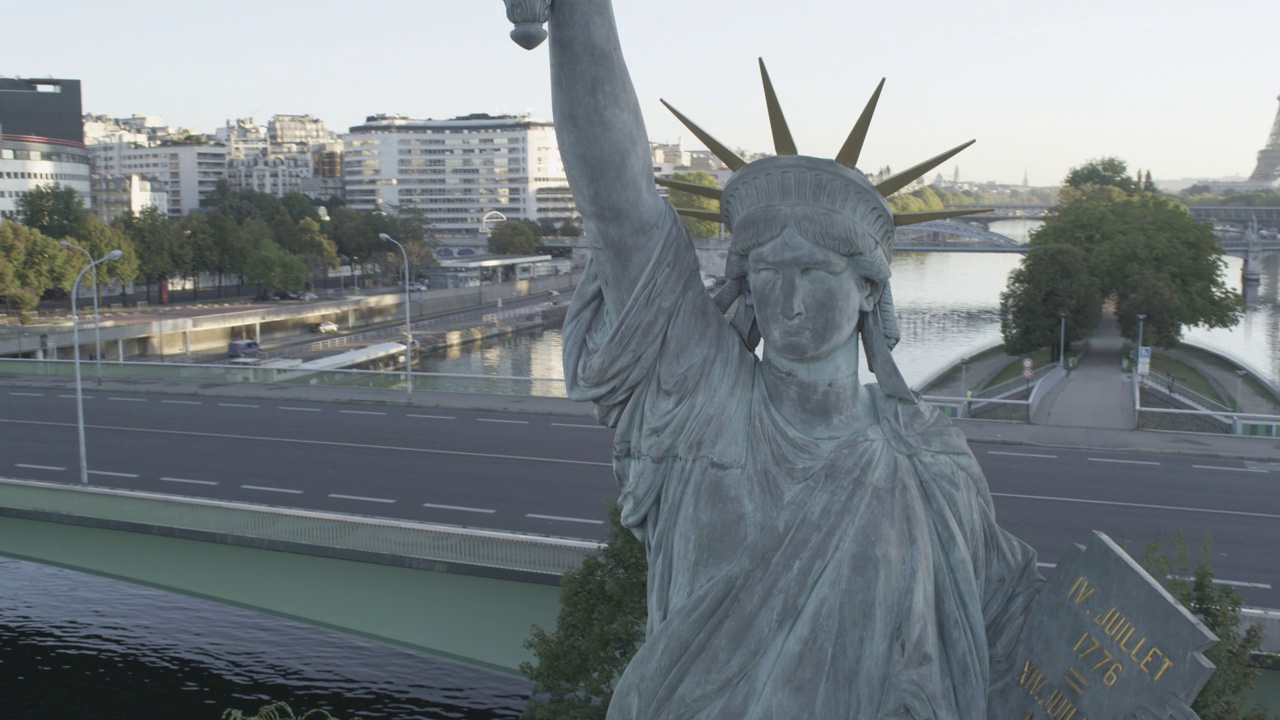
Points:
[(792, 307)]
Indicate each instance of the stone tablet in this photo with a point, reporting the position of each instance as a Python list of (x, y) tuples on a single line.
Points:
[(1105, 641)]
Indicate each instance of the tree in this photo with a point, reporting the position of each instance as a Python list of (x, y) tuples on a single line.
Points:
[(275, 267), (680, 199), (513, 237), (35, 263), (1050, 280), (601, 623), (1129, 233), (570, 229), (99, 239), (161, 250), (1218, 607), (55, 210)]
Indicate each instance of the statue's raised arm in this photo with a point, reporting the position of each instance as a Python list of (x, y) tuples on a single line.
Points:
[(602, 136)]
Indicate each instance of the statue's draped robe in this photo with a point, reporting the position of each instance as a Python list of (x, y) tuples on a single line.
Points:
[(862, 577)]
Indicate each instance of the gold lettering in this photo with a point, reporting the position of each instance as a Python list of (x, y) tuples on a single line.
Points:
[(1092, 647), (1101, 662), (1116, 622), (1133, 655), (1053, 698), (1076, 680), (1112, 675), (1121, 640), (1080, 590), (1100, 620), (1038, 682), (1150, 654), (1083, 635), (1167, 664), (1026, 672)]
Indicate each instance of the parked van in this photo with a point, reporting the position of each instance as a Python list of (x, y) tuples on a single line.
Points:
[(243, 348)]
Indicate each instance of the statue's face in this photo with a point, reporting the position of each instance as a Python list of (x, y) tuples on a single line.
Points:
[(806, 297)]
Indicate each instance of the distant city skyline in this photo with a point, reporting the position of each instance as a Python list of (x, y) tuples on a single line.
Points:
[(1181, 91)]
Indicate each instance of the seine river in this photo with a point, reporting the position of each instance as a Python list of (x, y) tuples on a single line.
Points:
[(74, 646)]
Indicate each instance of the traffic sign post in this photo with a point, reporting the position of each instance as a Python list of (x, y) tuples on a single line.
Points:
[(1144, 360)]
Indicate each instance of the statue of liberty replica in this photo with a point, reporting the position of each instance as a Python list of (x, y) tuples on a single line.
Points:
[(818, 547)]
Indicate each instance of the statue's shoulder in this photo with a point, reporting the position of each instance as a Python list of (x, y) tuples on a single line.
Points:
[(915, 427)]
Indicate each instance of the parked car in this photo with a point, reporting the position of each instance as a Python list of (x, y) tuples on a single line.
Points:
[(264, 297), (243, 348), (324, 327), (309, 296), (417, 287)]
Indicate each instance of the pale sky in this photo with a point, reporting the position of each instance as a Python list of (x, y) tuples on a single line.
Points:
[(1185, 89)]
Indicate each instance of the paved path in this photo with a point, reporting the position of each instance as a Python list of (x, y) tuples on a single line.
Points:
[(1097, 393)]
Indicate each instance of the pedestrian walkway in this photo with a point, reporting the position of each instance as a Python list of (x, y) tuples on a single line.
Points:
[(1097, 393)]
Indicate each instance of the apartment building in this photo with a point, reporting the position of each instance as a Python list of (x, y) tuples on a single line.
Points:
[(41, 139), (458, 170), (186, 173)]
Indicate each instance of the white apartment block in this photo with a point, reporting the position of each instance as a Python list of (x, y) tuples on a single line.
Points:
[(187, 173), (456, 171), (277, 175), (114, 196)]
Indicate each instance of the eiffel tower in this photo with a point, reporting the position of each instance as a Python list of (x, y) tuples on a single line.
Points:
[(1268, 168)]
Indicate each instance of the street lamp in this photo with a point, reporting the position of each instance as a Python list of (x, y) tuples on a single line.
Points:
[(964, 385), (97, 330), (1062, 340), (408, 332), (75, 340)]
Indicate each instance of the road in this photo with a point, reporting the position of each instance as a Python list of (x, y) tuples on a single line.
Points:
[(551, 474)]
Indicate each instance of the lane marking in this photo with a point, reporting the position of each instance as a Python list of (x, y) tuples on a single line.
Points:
[(127, 399), (325, 443), (1233, 583), (1210, 511), (271, 489), (38, 467), (1125, 462), (565, 519), (360, 498), (26, 394), (113, 474), (593, 427), (297, 409), (1018, 454), (189, 481), (459, 508), (361, 412), (73, 397), (496, 420), (240, 405), (1220, 467), (433, 417), (182, 402)]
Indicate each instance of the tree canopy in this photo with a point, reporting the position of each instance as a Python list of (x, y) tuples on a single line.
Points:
[(513, 237), (680, 199), (1052, 279), (55, 210), (1144, 249)]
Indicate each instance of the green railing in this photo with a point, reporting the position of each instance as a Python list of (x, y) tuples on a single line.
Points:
[(292, 529)]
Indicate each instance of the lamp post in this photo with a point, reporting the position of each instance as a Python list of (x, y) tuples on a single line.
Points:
[(1062, 340), (408, 331), (97, 331), (964, 386), (75, 340)]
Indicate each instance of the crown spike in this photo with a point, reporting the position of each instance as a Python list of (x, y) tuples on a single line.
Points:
[(904, 178), (783, 143), (706, 191), (727, 156), (848, 155), (711, 215), (911, 218)]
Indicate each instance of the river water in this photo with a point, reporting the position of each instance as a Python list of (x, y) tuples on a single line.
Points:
[(74, 645)]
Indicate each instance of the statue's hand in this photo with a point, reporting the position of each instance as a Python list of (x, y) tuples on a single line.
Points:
[(528, 16)]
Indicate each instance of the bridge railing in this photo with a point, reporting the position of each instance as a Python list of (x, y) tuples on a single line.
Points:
[(192, 372), (384, 540)]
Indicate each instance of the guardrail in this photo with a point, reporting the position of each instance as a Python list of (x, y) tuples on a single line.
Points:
[(292, 529)]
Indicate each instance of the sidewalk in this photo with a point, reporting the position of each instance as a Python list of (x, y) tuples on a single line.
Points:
[(1097, 393)]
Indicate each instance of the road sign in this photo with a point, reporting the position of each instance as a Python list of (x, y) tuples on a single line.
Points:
[(1144, 360), (1026, 363), (1028, 373)]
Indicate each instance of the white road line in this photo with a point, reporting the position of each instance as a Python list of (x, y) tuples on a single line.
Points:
[(189, 481), (433, 417), (73, 397), (1220, 467), (496, 420), (593, 427), (564, 519), (361, 412), (298, 409), (1018, 454), (1241, 583), (38, 467), (112, 474), (360, 498), (241, 405), (271, 489), (182, 402), (27, 394), (127, 399), (325, 443), (458, 507), (1126, 462), (1210, 511)]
